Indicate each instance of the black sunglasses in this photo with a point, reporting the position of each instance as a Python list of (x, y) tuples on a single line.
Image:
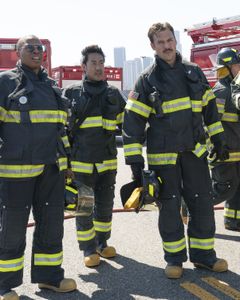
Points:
[(31, 48)]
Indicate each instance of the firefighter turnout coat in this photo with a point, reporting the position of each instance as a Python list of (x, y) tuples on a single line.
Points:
[(96, 112), (171, 103), (33, 153), (225, 174)]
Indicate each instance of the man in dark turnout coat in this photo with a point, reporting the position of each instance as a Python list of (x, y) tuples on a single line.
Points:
[(96, 112), (173, 98), (225, 174), (33, 156)]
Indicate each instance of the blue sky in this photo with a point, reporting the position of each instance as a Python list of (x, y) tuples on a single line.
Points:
[(71, 25)]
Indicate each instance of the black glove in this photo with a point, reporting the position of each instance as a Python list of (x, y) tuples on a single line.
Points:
[(219, 152), (137, 172)]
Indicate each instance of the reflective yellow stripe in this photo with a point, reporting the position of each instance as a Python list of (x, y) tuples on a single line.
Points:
[(204, 244), (70, 189), (176, 105), (102, 226), (196, 105), (230, 213), (107, 165), (162, 159), (208, 95), (36, 116), (62, 163), (11, 265), (43, 259), (82, 167), (65, 141), (200, 150), (238, 214), (48, 116), (233, 156), (109, 124), (92, 122), (151, 190), (20, 171), (86, 235), (138, 107), (173, 247), (120, 118), (215, 128), (230, 117), (132, 149), (70, 206), (10, 116), (220, 105)]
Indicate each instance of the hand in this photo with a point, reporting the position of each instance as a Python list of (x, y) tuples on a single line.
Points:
[(137, 172), (69, 174), (219, 152)]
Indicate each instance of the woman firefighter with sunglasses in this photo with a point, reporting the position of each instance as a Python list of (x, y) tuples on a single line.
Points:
[(33, 156)]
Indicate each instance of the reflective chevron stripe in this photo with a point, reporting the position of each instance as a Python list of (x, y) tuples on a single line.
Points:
[(215, 128), (204, 244), (44, 259), (86, 235), (82, 167), (208, 95), (162, 159), (102, 226), (174, 247), (200, 150), (120, 118), (20, 171), (107, 165), (132, 149), (230, 117), (92, 122), (230, 213), (196, 105), (36, 116), (12, 265), (109, 124), (138, 107)]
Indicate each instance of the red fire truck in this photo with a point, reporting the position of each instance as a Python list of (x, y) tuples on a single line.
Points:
[(8, 56), (66, 75), (208, 38)]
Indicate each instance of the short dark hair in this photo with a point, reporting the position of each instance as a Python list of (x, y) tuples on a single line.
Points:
[(159, 27), (23, 40), (91, 49)]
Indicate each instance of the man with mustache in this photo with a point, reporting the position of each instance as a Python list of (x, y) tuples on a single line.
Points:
[(174, 98), (96, 111)]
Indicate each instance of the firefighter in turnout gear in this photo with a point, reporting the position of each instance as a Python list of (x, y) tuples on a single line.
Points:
[(96, 111), (32, 162), (225, 175), (173, 97)]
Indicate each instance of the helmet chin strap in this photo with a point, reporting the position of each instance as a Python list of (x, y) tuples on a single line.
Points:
[(230, 71)]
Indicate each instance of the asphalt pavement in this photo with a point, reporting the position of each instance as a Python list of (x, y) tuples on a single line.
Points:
[(138, 270)]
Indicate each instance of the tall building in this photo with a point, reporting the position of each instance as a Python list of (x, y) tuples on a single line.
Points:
[(119, 57), (146, 61), (179, 45), (132, 69)]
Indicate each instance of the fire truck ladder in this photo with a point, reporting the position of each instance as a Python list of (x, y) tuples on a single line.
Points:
[(216, 29)]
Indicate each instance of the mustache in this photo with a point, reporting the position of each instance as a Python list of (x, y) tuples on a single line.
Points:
[(166, 50)]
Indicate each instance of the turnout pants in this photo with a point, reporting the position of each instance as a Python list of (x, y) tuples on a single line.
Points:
[(44, 194), (226, 187), (189, 179), (95, 230)]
